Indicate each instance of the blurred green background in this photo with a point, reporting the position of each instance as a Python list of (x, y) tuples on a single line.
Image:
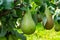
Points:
[(43, 34)]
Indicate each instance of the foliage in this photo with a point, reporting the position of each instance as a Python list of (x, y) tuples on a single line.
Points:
[(12, 12)]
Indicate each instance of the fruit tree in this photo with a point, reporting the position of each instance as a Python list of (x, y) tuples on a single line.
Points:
[(25, 14)]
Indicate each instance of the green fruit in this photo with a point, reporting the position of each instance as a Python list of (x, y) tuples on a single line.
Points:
[(49, 23), (57, 26), (10, 37), (28, 25), (3, 38)]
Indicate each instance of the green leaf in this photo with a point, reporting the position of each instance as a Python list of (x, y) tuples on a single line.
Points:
[(3, 32), (18, 35), (1, 2), (27, 1), (42, 8), (14, 15), (38, 2), (54, 1), (8, 4), (52, 9), (19, 13)]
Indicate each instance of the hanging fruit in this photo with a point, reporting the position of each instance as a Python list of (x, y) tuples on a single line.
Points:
[(57, 19), (49, 21), (57, 26), (28, 25)]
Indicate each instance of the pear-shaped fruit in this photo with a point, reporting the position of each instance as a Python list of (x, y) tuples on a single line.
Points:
[(28, 25), (57, 26), (49, 23)]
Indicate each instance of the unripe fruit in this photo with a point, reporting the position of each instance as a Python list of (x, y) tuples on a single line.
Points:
[(28, 25)]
